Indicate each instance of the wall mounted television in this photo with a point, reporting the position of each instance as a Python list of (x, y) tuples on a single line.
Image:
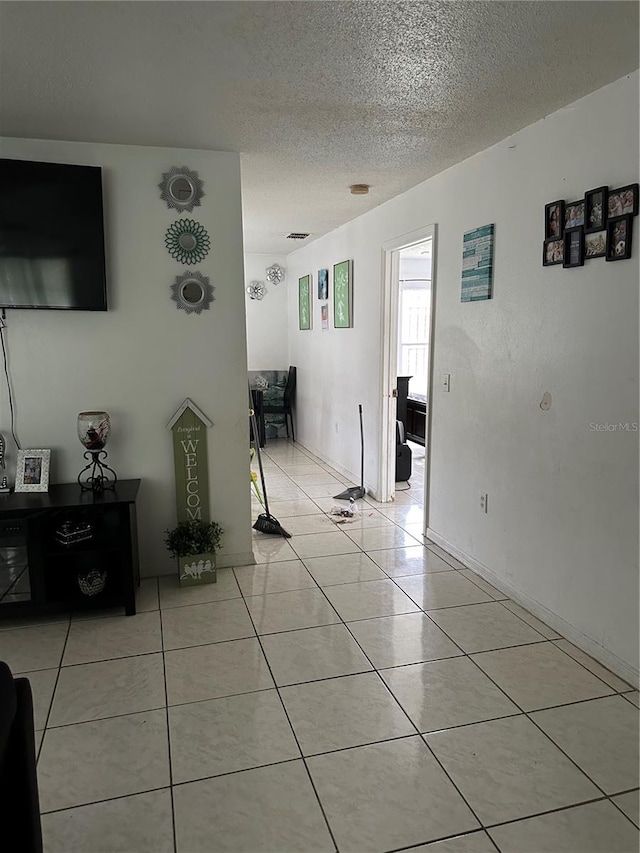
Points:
[(51, 236)]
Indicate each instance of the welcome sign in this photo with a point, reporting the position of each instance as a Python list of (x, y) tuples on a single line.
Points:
[(189, 426)]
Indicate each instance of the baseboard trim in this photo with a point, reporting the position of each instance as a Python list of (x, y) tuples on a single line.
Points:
[(245, 559), (607, 658), (351, 477)]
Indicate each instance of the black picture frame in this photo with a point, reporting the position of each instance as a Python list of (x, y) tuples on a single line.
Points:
[(614, 250), (571, 219), (614, 211), (595, 244), (557, 257), (594, 201), (573, 239), (549, 232)]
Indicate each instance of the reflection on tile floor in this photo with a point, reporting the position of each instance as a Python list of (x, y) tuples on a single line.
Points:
[(354, 691)]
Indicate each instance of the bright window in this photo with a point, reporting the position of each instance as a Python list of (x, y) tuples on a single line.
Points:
[(413, 334)]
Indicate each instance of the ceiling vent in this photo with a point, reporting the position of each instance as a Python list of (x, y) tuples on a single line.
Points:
[(297, 236)]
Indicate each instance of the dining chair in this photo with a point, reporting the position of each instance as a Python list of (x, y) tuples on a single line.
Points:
[(285, 407)]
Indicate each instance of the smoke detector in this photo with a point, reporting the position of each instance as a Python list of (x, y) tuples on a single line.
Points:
[(359, 189)]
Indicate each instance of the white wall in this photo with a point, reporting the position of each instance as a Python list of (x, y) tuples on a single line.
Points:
[(141, 359), (267, 324), (562, 529)]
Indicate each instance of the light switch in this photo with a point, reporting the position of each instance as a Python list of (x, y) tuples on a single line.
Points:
[(446, 384)]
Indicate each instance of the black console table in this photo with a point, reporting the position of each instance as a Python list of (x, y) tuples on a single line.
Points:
[(41, 567)]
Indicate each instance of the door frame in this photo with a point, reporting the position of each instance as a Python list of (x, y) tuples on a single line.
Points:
[(389, 359)]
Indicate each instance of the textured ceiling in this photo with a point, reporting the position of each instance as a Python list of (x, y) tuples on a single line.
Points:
[(315, 95)]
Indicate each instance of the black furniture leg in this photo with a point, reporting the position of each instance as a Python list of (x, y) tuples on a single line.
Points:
[(130, 599)]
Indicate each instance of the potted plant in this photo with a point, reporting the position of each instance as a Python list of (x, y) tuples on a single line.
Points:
[(194, 545)]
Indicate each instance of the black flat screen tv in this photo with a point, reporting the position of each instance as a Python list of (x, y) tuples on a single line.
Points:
[(51, 236)]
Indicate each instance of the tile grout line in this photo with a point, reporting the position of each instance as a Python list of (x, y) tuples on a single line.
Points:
[(104, 800), (622, 793), (53, 695), (482, 831), (166, 697), (565, 808), (7, 628), (293, 732), (109, 660), (580, 663), (109, 717)]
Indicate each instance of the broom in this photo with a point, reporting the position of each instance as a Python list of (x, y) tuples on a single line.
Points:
[(354, 493), (265, 522)]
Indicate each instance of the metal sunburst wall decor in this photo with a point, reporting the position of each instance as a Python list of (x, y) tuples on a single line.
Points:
[(181, 188), (193, 292), (275, 274), (187, 241), (256, 290)]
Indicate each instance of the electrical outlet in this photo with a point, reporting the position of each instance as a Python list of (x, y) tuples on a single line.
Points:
[(484, 503)]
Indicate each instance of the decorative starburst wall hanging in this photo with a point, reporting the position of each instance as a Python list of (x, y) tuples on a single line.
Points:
[(181, 188), (187, 241), (193, 292)]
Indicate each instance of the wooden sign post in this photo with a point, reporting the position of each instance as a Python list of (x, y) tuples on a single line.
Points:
[(189, 427)]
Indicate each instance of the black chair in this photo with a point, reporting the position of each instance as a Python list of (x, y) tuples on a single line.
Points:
[(18, 781), (403, 455), (285, 407), (257, 399)]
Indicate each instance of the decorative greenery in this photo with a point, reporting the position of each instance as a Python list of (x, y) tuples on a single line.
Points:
[(187, 241), (193, 537)]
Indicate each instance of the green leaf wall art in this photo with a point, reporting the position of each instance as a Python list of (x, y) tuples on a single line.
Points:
[(343, 295), (304, 302)]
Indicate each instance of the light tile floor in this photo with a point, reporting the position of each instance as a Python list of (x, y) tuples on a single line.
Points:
[(356, 690)]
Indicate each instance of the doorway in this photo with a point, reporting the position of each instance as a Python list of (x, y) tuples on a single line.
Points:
[(407, 337)]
